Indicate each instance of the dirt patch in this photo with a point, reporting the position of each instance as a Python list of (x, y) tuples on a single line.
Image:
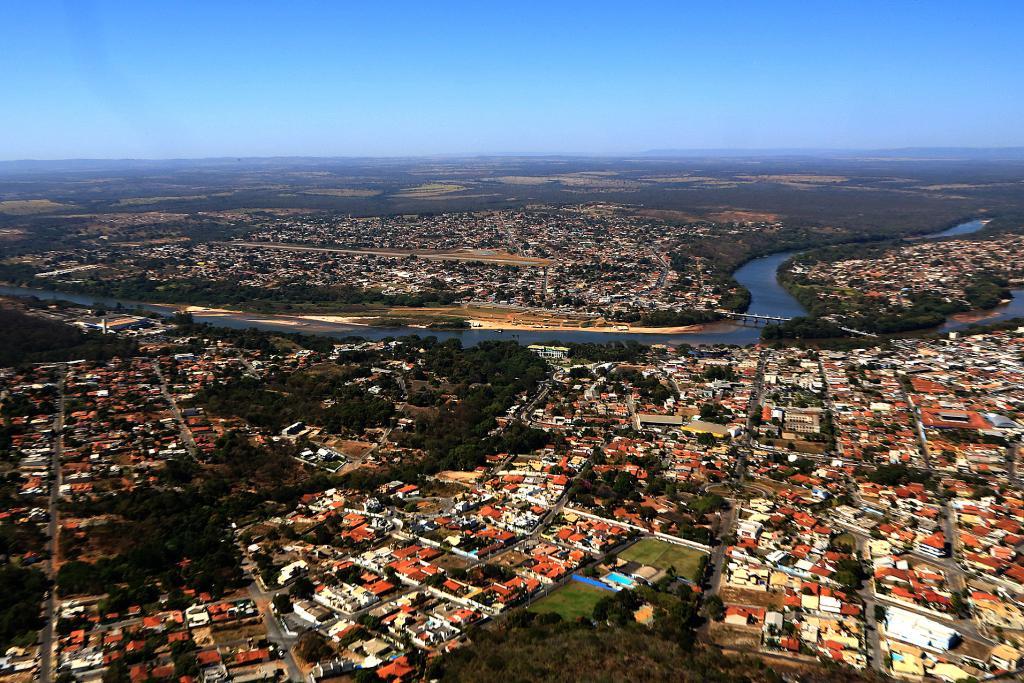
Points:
[(733, 595), (738, 637), (428, 190), (245, 632), (448, 562), (511, 559), (25, 207), (352, 449), (666, 215), (740, 216), (797, 179), (342, 192), (800, 446), (458, 477), (203, 636)]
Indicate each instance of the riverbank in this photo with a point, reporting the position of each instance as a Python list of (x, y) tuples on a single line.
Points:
[(886, 324), (759, 276), (435, 316)]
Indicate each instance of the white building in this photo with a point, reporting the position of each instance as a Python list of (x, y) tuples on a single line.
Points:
[(549, 352), (920, 631)]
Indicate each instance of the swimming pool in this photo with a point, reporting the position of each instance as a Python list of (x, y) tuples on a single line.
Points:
[(620, 579)]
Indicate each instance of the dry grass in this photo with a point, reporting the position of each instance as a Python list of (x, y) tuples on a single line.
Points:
[(525, 179), (797, 178), (741, 216), (733, 595), (136, 201), (727, 635), (672, 179), (430, 190), (244, 632), (25, 207), (459, 477), (593, 181), (342, 192)]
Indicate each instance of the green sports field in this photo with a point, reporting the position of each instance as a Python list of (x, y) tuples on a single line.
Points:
[(662, 555), (572, 600)]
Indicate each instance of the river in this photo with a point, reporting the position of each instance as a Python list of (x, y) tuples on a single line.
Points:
[(715, 333), (760, 276), (961, 229)]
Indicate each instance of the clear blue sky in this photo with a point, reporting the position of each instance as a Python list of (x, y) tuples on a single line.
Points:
[(147, 78)]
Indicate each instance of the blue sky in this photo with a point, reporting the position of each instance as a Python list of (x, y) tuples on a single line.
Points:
[(146, 78)]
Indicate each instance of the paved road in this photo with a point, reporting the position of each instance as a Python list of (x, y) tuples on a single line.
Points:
[(248, 366), (47, 637), (867, 596), (274, 632), (717, 560), (186, 433)]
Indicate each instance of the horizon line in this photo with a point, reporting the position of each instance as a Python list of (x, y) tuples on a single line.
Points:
[(649, 153)]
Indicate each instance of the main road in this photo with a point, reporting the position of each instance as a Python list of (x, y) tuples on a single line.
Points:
[(53, 542)]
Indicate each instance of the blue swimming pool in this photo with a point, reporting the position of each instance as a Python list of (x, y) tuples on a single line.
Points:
[(620, 579)]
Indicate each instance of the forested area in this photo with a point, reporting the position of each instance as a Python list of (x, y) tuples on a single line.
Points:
[(611, 646), (26, 339), (486, 380), (182, 534), (276, 404), (21, 592), (675, 318), (250, 338)]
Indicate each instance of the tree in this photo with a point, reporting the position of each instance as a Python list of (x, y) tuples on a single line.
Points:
[(313, 647), (282, 604), (707, 503), (117, 672), (714, 607), (958, 604), (302, 588), (185, 664)]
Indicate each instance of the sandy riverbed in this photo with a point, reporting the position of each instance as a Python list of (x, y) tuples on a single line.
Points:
[(510, 325)]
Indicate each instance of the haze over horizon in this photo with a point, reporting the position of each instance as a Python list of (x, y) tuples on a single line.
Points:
[(192, 80)]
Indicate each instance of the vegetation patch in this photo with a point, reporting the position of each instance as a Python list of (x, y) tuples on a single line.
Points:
[(571, 601), (430, 190), (686, 562), (24, 207)]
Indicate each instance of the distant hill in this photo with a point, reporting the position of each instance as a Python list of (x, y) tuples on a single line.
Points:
[(902, 153)]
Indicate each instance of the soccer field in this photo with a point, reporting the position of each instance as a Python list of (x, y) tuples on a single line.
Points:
[(662, 555), (572, 600)]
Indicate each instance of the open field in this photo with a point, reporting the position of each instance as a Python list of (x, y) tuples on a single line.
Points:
[(662, 555), (141, 201), (491, 318), (733, 595), (745, 638), (572, 600), (798, 445), (459, 477), (796, 178), (480, 317), (342, 192), (430, 190), (24, 207)]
